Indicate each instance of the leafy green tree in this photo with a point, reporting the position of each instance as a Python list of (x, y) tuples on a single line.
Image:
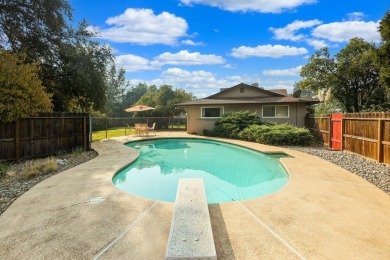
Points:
[(116, 86), (384, 53), (181, 96), (164, 100), (149, 99), (353, 76), (82, 73), (34, 27), (357, 78), (131, 96), (73, 67), (319, 73), (21, 91)]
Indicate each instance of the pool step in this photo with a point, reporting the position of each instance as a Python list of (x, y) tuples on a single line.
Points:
[(191, 236)]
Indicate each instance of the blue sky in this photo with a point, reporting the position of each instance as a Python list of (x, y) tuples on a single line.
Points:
[(204, 45)]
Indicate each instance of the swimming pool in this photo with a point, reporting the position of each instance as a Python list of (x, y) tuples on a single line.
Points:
[(230, 172)]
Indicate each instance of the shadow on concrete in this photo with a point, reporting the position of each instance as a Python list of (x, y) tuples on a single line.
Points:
[(221, 238)]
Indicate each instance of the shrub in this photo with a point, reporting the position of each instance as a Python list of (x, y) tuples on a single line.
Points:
[(3, 168), (231, 124), (41, 168), (283, 134), (77, 151), (253, 132)]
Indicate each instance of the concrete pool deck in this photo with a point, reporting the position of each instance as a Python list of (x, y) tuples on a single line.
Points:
[(324, 212)]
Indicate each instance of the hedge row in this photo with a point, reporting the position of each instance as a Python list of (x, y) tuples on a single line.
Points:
[(247, 126)]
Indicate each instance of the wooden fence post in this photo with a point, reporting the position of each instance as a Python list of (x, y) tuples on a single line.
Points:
[(380, 137), (85, 132), (106, 127), (17, 140)]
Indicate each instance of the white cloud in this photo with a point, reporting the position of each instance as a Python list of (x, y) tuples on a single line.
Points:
[(187, 58), (192, 43), (344, 31), (317, 44), (204, 83), (273, 51), (142, 26), (229, 66), (134, 63), (262, 6), (201, 83), (286, 72), (355, 16), (278, 84), (288, 32)]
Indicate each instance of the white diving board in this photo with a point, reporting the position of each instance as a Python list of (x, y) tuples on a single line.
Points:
[(191, 236)]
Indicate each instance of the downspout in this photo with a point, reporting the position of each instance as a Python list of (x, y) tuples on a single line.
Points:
[(296, 114)]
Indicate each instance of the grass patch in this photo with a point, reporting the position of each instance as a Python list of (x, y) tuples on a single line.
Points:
[(77, 151), (3, 168), (114, 132), (41, 168)]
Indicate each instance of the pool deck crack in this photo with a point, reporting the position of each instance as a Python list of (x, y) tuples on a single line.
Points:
[(140, 217), (272, 232)]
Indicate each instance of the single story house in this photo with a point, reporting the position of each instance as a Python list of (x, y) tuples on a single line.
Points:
[(270, 105)]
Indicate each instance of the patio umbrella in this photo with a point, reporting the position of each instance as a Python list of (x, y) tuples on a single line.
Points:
[(139, 108)]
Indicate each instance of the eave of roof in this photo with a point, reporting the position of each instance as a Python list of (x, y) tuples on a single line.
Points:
[(271, 93), (265, 100)]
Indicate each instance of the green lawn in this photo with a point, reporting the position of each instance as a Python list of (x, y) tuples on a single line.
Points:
[(121, 131), (114, 132), (177, 126)]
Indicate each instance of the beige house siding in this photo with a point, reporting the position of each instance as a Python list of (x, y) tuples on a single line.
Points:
[(196, 124)]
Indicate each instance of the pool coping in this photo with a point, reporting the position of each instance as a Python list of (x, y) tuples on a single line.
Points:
[(324, 211)]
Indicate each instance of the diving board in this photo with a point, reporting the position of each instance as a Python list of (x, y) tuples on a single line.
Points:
[(191, 236)]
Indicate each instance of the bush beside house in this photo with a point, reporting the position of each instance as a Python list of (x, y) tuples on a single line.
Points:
[(247, 126)]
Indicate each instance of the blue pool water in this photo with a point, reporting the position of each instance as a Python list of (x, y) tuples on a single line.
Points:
[(229, 172)]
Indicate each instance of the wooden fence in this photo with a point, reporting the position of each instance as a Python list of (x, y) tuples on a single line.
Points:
[(367, 134), (44, 135)]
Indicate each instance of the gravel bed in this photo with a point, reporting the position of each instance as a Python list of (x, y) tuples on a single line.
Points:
[(13, 184), (376, 173)]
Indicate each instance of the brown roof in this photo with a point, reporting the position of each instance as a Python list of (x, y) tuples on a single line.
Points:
[(279, 91), (264, 100), (275, 96), (269, 92)]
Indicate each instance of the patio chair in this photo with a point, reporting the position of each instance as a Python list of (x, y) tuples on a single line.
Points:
[(152, 128), (137, 128)]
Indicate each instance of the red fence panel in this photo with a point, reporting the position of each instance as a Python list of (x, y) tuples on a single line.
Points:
[(336, 132)]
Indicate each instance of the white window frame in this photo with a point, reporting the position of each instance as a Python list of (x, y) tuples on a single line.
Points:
[(288, 111), (201, 112)]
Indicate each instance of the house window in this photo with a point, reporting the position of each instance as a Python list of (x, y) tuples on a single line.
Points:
[(242, 90), (276, 111), (212, 112)]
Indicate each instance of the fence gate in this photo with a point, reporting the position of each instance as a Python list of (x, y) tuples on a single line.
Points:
[(336, 134)]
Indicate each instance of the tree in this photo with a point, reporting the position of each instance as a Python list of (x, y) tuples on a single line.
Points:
[(73, 67), (164, 100), (319, 73), (384, 53), (116, 85), (357, 77), (21, 91), (34, 27), (82, 73), (353, 76), (131, 97)]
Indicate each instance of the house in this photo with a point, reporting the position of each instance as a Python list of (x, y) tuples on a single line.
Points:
[(271, 105)]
